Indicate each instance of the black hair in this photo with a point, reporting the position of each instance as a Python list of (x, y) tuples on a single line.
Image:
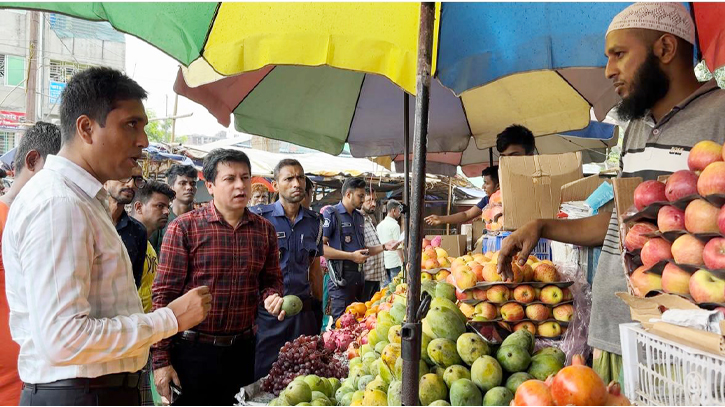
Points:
[(393, 204), (492, 172), (353, 183), (154, 187), (178, 169), (516, 134), (308, 185), (94, 93), (287, 162), (42, 137), (222, 156)]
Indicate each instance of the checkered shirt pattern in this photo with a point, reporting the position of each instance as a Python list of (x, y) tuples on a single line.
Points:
[(374, 267)]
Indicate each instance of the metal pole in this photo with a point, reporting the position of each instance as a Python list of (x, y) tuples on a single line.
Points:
[(411, 332), (448, 211), (32, 73), (490, 156), (406, 170), (173, 121)]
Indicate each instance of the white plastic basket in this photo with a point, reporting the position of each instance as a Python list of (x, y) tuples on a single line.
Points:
[(661, 372)]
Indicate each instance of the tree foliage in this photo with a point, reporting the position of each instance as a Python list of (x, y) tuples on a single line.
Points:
[(159, 131)]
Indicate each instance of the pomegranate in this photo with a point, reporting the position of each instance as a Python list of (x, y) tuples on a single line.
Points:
[(615, 396), (533, 393), (578, 385)]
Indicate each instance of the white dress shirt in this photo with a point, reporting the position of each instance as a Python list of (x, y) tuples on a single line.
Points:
[(74, 308), (388, 230)]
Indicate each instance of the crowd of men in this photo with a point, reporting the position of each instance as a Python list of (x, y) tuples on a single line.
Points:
[(100, 300)]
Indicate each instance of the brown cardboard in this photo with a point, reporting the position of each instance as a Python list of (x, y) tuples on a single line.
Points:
[(479, 228), (581, 189), (455, 245), (644, 310), (531, 185), (624, 194)]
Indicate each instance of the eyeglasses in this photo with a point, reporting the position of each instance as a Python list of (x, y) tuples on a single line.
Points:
[(138, 181)]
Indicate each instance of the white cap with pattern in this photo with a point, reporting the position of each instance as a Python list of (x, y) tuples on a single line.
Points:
[(672, 18)]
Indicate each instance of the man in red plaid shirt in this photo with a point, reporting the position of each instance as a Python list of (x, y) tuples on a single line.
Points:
[(234, 252)]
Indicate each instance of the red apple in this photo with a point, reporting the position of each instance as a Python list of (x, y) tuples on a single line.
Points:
[(655, 250), (644, 282), (634, 239), (721, 220), (704, 287), (675, 280), (714, 254), (704, 153), (670, 218), (680, 184), (701, 217), (464, 295), (648, 192), (712, 179), (687, 249)]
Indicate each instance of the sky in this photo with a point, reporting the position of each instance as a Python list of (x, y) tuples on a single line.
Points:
[(156, 72)]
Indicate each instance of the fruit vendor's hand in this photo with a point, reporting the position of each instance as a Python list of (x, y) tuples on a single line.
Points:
[(360, 256), (273, 305), (521, 241), (392, 245), (433, 220), (162, 378)]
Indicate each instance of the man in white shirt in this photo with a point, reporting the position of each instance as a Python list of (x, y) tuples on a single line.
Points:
[(74, 308), (389, 229)]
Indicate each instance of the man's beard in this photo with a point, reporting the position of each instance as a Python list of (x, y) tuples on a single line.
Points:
[(122, 199), (649, 86)]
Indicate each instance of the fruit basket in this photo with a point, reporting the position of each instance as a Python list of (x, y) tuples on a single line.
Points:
[(661, 372), (493, 244)]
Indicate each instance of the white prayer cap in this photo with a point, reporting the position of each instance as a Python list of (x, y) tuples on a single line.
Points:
[(671, 18)]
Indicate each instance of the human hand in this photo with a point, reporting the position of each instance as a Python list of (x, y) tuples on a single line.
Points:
[(359, 256), (162, 378), (273, 305), (433, 220), (522, 241), (392, 245), (191, 308)]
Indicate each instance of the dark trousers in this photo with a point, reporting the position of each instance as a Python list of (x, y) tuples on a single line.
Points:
[(371, 287), (353, 291), (212, 375), (272, 334), (80, 396)]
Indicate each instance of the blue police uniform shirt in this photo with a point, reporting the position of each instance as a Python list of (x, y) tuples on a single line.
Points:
[(298, 243), (352, 237), (483, 202)]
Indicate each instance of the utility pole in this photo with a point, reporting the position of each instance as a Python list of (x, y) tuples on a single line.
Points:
[(173, 120), (32, 73)]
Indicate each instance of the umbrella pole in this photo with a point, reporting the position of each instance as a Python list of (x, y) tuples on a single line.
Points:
[(406, 169), (448, 211), (411, 333), (490, 156)]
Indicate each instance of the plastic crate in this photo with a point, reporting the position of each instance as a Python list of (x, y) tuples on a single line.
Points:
[(493, 243), (661, 372)]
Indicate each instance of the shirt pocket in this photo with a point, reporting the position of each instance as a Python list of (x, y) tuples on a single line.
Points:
[(284, 253)]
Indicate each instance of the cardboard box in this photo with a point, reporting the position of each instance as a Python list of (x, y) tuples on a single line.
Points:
[(531, 185), (644, 310), (455, 245), (581, 189), (624, 194), (479, 228)]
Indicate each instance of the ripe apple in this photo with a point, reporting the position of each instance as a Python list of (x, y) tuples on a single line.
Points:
[(634, 239), (440, 252), (537, 312), (443, 262), (704, 287), (528, 272), (551, 294), (451, 279), (670, 218), (468, 258), (528, 325), (564, 312), (498, 294), (714, 254), (675, 280), (546, 273), (655, 250), (680, 184), (426, 243), (567, 294), (524, 293), (486, 310), (721, 220), (467, 309), (464, 295), (549, 329), (512, 312), (431, 264), (479, 294), (703, 153), (538, 293), (644, 282), (701, 217), (490, 274), (518, 273), (712, 179), (687, 249), (477, 269), (647, 193), (465, 278)]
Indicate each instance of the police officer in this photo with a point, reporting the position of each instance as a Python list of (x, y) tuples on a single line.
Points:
[(299, 236), (345, 250)]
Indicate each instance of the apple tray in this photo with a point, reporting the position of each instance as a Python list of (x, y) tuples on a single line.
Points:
[(672, 235), (690, 268), (494, 332), (704, 305), (435, 271), (535, 284), (475, 301), (650, 211)]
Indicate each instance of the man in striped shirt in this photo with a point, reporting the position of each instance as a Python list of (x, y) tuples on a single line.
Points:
[(669, 112), (74, 308)]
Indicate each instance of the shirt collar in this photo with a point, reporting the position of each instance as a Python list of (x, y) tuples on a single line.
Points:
[(279, 211), (77, 175), (212, 215), (340, 208), (122, 221), (705, 88)]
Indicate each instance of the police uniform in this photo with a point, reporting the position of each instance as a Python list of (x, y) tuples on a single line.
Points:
[(348, 237), (299, 243)]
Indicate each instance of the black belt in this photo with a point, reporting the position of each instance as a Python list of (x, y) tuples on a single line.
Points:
[(129, 380), (351, 266), (217, 340)]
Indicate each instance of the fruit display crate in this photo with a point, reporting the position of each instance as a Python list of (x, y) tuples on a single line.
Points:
[(493, 243), (661, 372)]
